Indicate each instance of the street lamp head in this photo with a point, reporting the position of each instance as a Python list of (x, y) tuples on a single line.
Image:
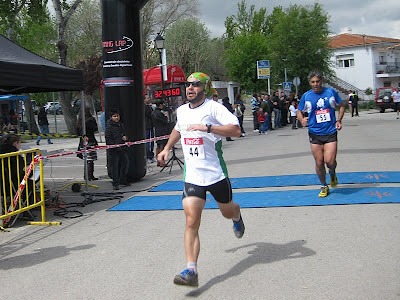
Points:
[(159, 42)]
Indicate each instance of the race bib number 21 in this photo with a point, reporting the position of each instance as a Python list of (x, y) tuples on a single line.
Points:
[(194, 148)]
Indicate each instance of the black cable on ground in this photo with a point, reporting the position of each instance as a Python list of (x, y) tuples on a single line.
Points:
[(90, 197)]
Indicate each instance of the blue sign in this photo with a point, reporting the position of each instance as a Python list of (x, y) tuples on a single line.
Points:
[(287, 86), (263, 69)]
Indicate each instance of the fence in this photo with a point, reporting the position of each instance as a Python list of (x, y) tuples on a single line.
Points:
[(21, 186)]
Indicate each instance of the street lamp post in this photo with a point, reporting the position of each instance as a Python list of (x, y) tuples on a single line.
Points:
[(159, 44)]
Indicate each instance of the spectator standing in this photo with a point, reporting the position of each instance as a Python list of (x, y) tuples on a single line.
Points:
[(43, 125), (261, 115), (396, 100), (265, 107), (4, 122), (161, 125), (350, 99), (284, 109), (354, 104), (91, 128), (148, 110), (228, 105), (293, 113), (115, 135), (239, 103), (13, 126), (254, 108), (277, 110), (271, 109)]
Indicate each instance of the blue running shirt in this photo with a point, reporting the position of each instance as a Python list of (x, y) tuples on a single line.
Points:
[(321, 110)]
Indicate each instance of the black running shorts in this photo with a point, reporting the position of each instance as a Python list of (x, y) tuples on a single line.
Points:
[(221, 191), (322, 139)]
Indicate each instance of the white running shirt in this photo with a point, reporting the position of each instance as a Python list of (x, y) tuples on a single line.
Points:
[(204, 164), (396, 96)]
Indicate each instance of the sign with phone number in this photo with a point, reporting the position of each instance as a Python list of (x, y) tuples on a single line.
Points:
[(167, 93)]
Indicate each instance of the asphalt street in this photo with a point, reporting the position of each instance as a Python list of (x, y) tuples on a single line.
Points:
[(315, 252)]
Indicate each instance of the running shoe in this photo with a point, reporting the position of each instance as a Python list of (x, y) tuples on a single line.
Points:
[(333, 178), (238, 228), (187, 277), (324, 191)]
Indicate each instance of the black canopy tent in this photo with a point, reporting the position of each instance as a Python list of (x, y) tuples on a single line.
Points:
[(22, 71)]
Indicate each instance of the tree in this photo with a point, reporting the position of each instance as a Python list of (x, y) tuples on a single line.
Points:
[(28, 24), (190, 52), (295, 39), (215, 64), (299, 43), (92, 75), (246, 43), (157, 16), (83, 32), (241, 59), (63, 12)]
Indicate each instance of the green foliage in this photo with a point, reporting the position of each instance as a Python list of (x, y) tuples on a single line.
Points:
[(189, 51), (295, 39), (242, 56), (83, 32), (368, 91)]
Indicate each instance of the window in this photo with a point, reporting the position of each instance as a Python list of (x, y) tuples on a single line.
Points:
[(345, 61), (382, 58), (387, 84)]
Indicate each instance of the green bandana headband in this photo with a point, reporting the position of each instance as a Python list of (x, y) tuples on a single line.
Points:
[(205, 80)]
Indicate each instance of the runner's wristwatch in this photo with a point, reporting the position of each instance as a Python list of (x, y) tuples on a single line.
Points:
[(208, 128)]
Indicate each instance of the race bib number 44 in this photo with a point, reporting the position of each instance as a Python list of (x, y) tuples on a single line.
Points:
[(323, 115), (194, 148)]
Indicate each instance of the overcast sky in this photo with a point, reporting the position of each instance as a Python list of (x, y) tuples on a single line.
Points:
[(370, 17)]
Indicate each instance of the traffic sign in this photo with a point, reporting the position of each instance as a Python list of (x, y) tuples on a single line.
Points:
[(263, 69), (287, 86), (296, 81)]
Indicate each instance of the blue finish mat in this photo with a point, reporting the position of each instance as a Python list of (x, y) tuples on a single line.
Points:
[(271, 199), (294, 180)]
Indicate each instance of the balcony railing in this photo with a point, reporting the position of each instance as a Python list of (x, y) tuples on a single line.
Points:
[(387, 68)]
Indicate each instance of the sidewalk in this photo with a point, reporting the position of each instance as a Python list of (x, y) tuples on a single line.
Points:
[(314, 252)]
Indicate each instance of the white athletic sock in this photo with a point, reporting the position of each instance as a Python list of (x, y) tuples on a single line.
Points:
[(192, 266)]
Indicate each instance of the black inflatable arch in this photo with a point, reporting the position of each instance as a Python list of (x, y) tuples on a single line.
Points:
[(123, 75)]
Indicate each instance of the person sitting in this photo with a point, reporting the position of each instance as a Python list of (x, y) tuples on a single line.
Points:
[(14, 168)]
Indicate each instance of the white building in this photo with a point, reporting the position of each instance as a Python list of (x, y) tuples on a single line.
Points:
[(362, 61)]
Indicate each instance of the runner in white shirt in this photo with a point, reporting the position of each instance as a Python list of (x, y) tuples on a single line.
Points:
[(396, 100), (201, 124)]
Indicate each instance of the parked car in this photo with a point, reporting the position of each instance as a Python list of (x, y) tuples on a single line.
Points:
[(76, 105), (54, 107), (384, 98)]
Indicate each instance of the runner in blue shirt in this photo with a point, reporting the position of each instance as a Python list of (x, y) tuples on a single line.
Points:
[(320, 103)]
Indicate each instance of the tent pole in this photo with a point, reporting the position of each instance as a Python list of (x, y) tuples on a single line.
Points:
[(83, 119)]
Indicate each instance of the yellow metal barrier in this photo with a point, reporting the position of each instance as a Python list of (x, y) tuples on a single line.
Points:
[(13, 168)]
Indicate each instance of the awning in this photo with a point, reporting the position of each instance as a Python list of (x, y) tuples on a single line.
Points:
[(153, 75)]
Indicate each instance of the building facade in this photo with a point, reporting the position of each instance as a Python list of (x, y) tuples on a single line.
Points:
[(361, 61)]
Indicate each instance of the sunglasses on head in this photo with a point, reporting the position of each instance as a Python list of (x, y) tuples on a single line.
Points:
[(193, 83)]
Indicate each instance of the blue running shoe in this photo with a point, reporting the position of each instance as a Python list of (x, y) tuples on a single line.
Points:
[(187, 277), (238, 228)]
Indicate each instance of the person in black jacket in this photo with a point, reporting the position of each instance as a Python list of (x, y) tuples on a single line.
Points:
[(228, 105), (161, 125), (91, 128), (115, 135), (13, 168), (43, 125)]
